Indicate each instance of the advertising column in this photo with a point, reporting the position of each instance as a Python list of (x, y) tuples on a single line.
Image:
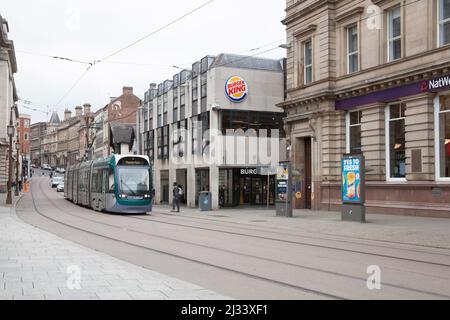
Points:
[(283, 202), (353, 188)]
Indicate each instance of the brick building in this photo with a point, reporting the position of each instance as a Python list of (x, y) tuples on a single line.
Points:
[(23, 136), (371, 77), (121, 110)]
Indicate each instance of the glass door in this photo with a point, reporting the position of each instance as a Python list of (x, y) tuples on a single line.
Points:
[(257, 192)]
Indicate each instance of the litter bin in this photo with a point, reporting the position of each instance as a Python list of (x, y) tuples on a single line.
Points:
[(205, 201)]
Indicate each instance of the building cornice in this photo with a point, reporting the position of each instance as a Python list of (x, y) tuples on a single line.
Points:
[(305, 11), (372, 85), (349, 14), (305, 31)]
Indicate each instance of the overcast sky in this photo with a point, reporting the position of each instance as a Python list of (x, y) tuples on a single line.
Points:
[(90, 30)]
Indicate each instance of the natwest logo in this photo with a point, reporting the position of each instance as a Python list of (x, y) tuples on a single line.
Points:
[(236, 89), (434, 84)]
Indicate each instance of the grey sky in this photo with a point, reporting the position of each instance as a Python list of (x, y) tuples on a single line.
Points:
[(51, 27)]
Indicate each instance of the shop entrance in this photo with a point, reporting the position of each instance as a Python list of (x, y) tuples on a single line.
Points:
[(303, 183), (165, 186), (253, 190)]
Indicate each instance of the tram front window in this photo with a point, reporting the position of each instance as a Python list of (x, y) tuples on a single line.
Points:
[(134, 181)]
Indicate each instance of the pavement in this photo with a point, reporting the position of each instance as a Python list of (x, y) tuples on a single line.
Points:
[(422, 231), (37, 265)]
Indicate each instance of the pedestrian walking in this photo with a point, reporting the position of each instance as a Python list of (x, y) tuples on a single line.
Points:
[(176, 197)]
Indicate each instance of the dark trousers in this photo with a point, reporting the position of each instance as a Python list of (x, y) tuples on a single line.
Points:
[(176, 203)]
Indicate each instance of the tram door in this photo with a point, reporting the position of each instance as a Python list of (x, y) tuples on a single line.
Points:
[(102, 198)]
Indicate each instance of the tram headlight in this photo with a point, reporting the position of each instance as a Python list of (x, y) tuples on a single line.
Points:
[(147, 196), (122, 196)]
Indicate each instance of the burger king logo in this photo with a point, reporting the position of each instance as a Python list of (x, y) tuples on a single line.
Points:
[(236, 89)]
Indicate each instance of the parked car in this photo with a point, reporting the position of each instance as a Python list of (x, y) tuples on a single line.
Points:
[(60, 170), (56, 181), (60, 187)]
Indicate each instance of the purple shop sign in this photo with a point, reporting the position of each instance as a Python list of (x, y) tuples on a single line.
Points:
[(433, 85)]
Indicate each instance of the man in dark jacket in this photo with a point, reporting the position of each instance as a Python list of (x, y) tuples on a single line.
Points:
[(176, 197)]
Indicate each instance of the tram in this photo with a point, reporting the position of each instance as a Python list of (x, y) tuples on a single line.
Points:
[(117, 184)]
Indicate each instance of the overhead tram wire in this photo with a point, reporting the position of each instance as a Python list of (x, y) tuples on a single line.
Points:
[(157, 30), (132, 44)]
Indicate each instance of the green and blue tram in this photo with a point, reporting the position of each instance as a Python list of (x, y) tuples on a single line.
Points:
[(117, 184)]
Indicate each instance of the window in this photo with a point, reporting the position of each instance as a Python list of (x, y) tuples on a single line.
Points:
[(179, 138), (308, 62), (159, 139), (395, 141), (165, 142), (444, 22), (354, 132), (245, 120), (443, 137), (27, 123), (26, 136), (394, 34), (151, 145), (182, 103), (195, 96), (165, 108), (352, 49), (200, 142), (159, 111), (175, 105)]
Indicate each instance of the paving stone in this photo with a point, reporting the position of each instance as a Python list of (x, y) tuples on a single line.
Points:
[(33, 266)]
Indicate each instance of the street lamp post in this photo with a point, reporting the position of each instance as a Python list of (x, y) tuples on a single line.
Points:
[(10, 132), (16, 193)]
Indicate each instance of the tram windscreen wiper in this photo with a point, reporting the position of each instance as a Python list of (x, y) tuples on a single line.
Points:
[(122, 183)]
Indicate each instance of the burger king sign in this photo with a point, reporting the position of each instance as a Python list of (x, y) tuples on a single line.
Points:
[(236, 89)]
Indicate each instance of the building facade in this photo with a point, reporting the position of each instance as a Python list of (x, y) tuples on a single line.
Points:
[(197, 126), (23, 136), (50, 141), (8, 98), (38, 132), (371, 78)]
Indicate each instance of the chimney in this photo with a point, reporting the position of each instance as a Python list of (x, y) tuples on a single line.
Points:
[(67, 115), (127, 90), (78, 111), (87, 109)]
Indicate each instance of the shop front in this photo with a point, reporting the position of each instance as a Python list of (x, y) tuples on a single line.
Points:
[(246, 187)]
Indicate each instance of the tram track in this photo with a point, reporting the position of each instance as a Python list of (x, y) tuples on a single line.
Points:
[(238, 225), (335, 236), (281, 283), (265, 238), (221, 250)]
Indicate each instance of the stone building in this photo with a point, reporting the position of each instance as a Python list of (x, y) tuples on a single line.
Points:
[(120, 111), (372, 78), (38, 132), (50, 141), (8, 98), (23, 136)]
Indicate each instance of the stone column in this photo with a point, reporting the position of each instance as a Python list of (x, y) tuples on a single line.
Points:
[(419, 135), (373, 142)]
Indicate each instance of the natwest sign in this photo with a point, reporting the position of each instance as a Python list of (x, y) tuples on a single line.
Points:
[(435, 84)]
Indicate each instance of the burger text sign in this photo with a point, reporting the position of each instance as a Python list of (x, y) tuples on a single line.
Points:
[(352, 179), (236, 89)]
